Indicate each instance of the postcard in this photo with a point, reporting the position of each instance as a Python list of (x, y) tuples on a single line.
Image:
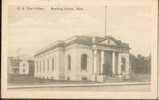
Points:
[(79, 49)]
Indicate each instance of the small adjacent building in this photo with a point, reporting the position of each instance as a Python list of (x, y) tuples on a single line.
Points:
[(20, 66), (13, 65), (84, 58), (26, 67)]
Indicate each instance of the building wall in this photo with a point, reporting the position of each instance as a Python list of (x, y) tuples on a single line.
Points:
[(72, 52), (88, 51), (76, 51), (127, 71), (24, 68), (60, 71), (31, 67), (9, 64), (44, 66), (13, 65)]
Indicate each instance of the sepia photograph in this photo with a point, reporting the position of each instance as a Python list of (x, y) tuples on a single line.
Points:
[(86, 49)]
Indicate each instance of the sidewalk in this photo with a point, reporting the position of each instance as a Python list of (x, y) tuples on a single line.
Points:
[(78, 85)]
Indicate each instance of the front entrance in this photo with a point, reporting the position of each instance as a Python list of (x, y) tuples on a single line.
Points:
[(107, 66)]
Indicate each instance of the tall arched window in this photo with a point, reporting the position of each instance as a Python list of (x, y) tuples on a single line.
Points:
[(69, 62), (39, 66), (84, 62), (43, 65), (48, 65), (52, 64)]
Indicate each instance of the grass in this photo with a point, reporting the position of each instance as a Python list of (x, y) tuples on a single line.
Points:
[(30, 80)]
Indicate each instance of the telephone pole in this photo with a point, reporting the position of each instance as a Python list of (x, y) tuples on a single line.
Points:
[(105, 13)]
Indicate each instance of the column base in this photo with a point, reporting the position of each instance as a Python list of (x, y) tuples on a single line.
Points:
[(127, 76), (93, 78), (119, 76), (123, 76), (100, 78), (114, 75)]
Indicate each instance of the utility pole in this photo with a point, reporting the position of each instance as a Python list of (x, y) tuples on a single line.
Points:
[(105, 27)]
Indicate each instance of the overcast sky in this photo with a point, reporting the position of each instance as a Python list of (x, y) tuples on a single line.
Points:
[(30, 30)]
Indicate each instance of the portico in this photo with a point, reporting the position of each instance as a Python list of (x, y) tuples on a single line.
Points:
[(110, 61)]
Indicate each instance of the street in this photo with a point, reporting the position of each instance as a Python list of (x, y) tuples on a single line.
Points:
[(108, 88)]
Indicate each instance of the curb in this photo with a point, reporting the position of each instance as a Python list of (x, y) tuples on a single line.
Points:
[(79, 85)]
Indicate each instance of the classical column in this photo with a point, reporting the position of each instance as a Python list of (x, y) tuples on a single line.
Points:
[(51, 64), (127, 64), (127, 67), (102, 62), (39, 68), (36, 66), (45, 65), (95, 61), (35, 72), (39, 65), (48, 65), (113, 63), (119, 64)]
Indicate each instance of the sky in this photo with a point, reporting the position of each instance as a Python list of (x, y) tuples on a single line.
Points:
[(31, 30)]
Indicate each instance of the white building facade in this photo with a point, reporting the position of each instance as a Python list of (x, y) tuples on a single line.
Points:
[(83, 58), (24, 68)]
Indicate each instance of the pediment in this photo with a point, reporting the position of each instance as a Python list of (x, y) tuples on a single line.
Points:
[(108, 42)]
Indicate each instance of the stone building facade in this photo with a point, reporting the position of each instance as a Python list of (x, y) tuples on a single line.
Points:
[(84, 58)]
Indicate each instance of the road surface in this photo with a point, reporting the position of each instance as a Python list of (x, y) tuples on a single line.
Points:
[(117, 88)]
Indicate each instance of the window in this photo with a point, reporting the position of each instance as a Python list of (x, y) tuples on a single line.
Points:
[(36, 66), (123, 65), (108, 42), (39, 66), (43, 65), (69, 62), (68, 78), (23, 70), (48, 65), (84, 62), (123, 60), (52, 64), (84, 78)]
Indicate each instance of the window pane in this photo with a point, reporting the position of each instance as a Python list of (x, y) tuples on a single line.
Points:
[(84, 62), (69, 62), (48, 65), (52, 64), (39, 66), (43, 65)]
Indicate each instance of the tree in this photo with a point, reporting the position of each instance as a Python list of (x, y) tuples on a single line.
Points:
[(140, 64)]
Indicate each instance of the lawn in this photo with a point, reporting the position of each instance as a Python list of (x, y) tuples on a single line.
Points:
[(30, 80)]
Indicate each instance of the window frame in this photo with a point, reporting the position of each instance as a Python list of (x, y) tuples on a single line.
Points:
[(53, 64), (69, 62), (84, 62)]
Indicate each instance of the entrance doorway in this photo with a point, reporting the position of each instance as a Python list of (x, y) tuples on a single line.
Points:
[(107, 66)]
